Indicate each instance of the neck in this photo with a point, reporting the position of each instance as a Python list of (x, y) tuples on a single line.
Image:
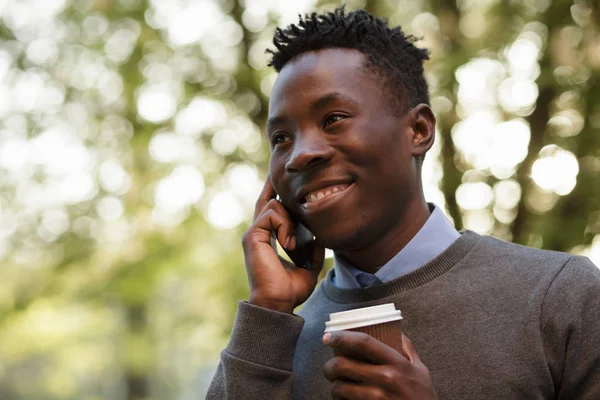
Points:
[(386, 245)]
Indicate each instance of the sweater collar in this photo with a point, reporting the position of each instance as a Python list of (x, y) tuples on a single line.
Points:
[(434, 268), (435, 236)]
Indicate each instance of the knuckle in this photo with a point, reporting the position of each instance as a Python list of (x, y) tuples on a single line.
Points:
[(388, 377), (334, 340), (337, 363), (378, 394), (424, 371), (263, 204), (273, 203), (245, 238), (266, 219), (337, 388), (250, 238), (328, 369), (331, 368)]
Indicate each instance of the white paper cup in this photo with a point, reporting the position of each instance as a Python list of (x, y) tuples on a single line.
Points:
[(383, 322)]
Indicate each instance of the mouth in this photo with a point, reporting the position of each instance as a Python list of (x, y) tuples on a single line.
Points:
[(324, 195)]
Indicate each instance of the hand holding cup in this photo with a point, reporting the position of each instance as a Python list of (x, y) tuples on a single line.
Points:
[(374, 359)]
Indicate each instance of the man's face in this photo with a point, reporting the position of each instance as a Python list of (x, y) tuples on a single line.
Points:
[(341, 158)]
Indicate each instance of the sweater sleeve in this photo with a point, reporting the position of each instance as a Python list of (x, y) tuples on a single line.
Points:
[(257, 362), (570, 325)]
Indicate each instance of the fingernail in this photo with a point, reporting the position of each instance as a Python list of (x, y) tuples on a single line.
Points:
[(326, 338), (287, 242)]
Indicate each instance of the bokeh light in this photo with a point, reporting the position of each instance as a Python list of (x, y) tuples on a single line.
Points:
[(182, 188), (225, 211), (555, 170)]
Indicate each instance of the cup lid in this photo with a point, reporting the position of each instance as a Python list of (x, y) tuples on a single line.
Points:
[(362, 317)]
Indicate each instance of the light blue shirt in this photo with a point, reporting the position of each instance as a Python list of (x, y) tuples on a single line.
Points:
[(432, 239)]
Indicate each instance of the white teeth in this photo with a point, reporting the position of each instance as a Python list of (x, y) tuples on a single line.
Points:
[(318, 195)]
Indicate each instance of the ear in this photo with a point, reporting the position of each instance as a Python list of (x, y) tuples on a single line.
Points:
[(423, 129)]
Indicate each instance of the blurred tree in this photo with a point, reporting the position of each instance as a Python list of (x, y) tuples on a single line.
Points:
[(131, 155)]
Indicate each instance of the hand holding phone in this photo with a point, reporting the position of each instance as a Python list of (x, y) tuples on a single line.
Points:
[(274, 282), (301, 255)]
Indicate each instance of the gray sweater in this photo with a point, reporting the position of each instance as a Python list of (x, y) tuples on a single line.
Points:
[(490, 319)]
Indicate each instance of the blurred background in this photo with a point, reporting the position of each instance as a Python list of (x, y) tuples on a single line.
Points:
[(131, 155)]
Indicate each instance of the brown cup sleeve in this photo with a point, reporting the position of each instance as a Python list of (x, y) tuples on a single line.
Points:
[(389, 333)]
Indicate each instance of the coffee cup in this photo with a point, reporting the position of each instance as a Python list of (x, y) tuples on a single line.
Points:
[(382, 322)]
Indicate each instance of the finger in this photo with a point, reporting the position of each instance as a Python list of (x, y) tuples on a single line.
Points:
[(347, 369), (408, 350), (273, 204), (364, 344), (271, 222), (267, 194), (274, 242), (354, 391), (285, 234)]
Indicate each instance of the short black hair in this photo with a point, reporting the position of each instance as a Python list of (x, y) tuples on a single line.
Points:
[(389, 51)]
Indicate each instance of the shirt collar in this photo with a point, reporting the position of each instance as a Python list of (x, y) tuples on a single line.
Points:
[(435, 236)]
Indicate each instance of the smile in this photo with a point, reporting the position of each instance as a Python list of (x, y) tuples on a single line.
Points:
[(320, 196), (325, 192)]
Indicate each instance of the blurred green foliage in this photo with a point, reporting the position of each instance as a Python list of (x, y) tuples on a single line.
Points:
[(131, 155)]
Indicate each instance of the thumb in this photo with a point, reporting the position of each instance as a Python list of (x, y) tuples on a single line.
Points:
[(408, 350)]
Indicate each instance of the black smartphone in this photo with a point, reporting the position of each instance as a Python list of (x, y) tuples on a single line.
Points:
[(301, 256)]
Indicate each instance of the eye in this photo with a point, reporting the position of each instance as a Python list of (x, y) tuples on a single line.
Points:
[(332, 118), (279, 138)]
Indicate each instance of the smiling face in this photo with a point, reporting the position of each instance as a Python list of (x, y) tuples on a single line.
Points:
[(342, 160)]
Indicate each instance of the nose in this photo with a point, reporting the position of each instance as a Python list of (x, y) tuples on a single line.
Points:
[(310, 150)]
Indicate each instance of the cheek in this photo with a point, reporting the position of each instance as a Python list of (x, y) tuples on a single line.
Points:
[(385, 160), (380, 156), (276, 172), (379, 143)]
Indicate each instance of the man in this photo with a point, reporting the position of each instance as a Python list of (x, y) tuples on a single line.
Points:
[(349, 125)]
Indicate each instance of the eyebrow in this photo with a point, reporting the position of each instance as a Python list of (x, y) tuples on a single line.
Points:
[(277, 120), (329, 98), (315, 106)]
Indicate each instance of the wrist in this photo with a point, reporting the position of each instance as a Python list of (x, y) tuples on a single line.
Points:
[(279, 306)]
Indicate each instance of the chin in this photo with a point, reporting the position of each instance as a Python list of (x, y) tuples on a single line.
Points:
[(346, 239)]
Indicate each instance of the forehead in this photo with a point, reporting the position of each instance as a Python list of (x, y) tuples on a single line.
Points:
[(313, 73)]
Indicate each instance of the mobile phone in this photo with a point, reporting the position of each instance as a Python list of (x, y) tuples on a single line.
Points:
[(301, 256)]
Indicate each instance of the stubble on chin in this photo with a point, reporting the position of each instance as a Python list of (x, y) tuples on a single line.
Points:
[(351, 240)]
